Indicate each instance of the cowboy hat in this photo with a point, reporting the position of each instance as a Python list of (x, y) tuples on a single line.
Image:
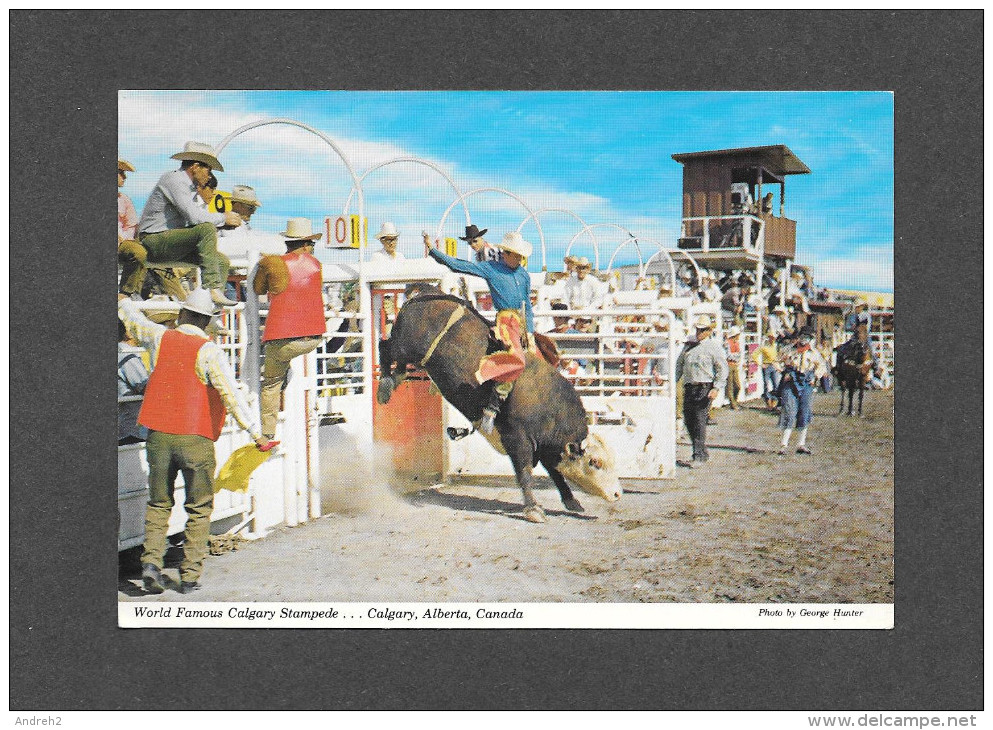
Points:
[(387, 230), (703, 322), (514, 243), (471, 232), (734, 331), (199, 301), (299, 229), (199, 152), (583, 263), (244, 194), (124, 165)]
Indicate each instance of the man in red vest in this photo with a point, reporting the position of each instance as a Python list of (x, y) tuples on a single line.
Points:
[(295, 324), (188, 392)]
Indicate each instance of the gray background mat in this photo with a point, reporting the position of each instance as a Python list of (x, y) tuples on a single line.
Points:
[(66, 652)]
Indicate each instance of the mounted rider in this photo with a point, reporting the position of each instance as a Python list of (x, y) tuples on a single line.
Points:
[(510, 288)]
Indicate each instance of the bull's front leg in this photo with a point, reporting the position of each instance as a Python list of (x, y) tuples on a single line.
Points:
[(571, 503), (521, 455)]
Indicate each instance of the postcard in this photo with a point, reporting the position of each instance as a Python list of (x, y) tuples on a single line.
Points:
[(492, 359)]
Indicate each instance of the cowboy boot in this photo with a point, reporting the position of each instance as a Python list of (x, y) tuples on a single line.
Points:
[(497, 396)]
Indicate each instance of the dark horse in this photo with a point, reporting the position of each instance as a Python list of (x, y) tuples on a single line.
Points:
[(543, 419), (853, 363)]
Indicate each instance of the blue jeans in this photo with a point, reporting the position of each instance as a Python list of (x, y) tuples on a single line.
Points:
[(770, 382)]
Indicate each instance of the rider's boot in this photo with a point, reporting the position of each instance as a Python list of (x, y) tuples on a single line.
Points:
[(497, 396)]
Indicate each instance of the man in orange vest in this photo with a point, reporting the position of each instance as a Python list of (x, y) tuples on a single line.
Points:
[(295, 324), (188, 392)]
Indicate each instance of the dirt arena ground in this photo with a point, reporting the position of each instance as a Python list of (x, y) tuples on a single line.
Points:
[(752, 526)]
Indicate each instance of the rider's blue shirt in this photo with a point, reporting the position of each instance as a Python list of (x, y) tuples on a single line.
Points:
[(510, 288)]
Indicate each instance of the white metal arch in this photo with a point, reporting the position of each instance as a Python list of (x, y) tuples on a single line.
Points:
[(596, 249), (672, 267), (463, 196), (567, 212), (641, 261), (356, 183), (691, 260), (415, 160)]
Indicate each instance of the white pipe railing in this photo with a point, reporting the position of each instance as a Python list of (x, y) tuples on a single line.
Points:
[(462, 198)]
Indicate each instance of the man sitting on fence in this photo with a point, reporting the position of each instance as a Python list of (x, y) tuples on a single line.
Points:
[(175, 227)]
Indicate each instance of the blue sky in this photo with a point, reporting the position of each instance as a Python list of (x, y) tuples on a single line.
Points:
[(606, 156)]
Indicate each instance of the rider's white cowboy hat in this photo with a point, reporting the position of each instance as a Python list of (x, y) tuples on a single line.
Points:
[(299, 229), (514, 243), (583, 263), (124, 165), (387, 230), (734, 332), (199, 152), (199, 301), (703, 322), (244, 194)]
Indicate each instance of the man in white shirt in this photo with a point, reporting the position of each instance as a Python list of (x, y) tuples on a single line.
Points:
[(389, 237), (585, 290)]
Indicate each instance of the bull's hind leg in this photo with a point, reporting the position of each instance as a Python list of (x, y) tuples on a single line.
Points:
[(388, 378), (570, 502), (861, 395), (521, 455), (841, 406)]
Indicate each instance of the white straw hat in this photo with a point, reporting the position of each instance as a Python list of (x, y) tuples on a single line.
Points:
[(299, 229), (514, 243), (244, 194), (387, 230), (703, 322), (123, 164), (199, 152), (199, 301)]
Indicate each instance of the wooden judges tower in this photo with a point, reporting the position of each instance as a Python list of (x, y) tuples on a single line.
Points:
[(731, 218)]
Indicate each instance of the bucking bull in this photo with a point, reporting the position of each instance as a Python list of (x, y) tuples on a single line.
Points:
[(543, 419)]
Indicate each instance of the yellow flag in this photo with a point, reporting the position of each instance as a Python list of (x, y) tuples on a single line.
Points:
[(235, 472)]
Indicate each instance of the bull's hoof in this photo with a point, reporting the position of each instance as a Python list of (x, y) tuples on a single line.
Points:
[(573, 505), (534, 513), (384, 391)]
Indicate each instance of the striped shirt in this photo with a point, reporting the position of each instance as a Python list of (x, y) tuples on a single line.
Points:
[(211, 366)]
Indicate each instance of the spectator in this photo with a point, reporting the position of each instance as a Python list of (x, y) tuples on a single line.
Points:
[(389, 238), (780, 323), (483, 250), (208, 191), (858, 317), (658, 345), (766, 357), (732, 344), (733, 301), (173, 227), (188, 392), (703, 364), (584, 291), (802, 368), (684, 284), (295, 324), (709, 291), (127, 216), (132, 376)]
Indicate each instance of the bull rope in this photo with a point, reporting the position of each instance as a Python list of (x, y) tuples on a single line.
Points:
[(455, 317)]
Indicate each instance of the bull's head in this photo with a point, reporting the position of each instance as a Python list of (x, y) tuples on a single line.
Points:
[(591, 467)]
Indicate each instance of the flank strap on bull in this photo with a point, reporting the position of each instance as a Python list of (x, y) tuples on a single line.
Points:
[(452, 319)]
